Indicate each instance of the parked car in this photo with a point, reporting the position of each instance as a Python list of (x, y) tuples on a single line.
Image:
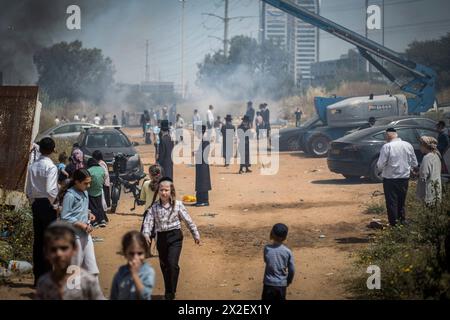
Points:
[(406, 120), (356, 154), (110, 141), (70, 130), (312, 137)]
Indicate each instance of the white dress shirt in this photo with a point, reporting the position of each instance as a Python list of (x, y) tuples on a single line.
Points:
[(42, 181), (210, 117), (396, 159)]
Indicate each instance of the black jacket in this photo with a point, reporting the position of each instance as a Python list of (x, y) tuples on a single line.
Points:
[(223, 131), (244, 145), (202, 176), (165, 155)]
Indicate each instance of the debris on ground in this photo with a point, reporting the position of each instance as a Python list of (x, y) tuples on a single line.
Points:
[(211, 215), (375, 224)]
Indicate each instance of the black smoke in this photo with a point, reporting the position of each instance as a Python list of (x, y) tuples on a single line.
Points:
[(28, 25)]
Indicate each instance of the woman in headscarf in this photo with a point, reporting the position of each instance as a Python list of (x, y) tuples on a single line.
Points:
[(76, 161), (429, 187)]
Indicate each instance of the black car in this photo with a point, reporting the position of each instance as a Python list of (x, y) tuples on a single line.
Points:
[(406, 121), (290, 139), (356, 154), (110, 141), (313, 136)]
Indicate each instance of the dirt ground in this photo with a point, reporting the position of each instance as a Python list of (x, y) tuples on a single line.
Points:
[(324, 212)]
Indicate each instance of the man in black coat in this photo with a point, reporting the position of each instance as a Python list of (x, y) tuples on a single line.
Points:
[(265, 113), (250, 113), (228, 132), (165, 150), (202, 176), (244, 146)]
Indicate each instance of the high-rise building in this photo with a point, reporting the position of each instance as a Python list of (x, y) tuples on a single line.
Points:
[(298, 38), (279, 28)]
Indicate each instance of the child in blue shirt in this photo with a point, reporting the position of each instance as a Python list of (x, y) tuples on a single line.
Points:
[(75, 211), (136, 279), (280, 269), (61, 166)]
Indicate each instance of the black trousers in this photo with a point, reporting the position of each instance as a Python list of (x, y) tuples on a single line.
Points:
[(96, 207), (202, 197), (395, 191), (169, 246), (43, 216), (107, 192), (273, 293)]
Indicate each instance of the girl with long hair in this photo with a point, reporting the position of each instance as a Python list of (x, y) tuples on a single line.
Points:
[(166, 215)]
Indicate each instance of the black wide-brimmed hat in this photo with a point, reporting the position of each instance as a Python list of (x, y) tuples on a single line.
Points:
[(164, 125), (228, 117)]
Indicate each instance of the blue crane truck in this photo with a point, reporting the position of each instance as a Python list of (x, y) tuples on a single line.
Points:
[(335, 116)]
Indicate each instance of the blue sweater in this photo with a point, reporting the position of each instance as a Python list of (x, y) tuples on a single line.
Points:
[(75, 207), (123, 287), (279, 265)]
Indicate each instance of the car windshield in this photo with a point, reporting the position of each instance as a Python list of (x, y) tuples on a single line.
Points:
[(107, 140), (310, 121)]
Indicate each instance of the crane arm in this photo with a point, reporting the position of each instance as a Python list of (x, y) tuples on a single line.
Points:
[(423, 84)]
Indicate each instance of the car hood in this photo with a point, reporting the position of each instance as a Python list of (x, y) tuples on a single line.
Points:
[(108, 153), (290, 131)]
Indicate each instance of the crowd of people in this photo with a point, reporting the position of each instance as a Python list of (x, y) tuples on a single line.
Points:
[(97, 120), (398, 163), (71, 199)]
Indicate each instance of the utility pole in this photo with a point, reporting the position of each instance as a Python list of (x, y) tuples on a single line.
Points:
[(182, 47), (147, 68), (382, 23), (368, 66), (226, 22)]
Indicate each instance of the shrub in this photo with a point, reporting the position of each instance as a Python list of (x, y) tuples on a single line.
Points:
[(375, 208), (19, 228), (412, 257)]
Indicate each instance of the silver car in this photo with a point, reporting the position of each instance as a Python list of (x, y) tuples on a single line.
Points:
[(68, 130)]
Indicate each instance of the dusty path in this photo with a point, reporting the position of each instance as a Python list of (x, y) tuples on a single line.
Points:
[(229, 265)]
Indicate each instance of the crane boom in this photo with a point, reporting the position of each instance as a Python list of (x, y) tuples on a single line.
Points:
[(424, 78)]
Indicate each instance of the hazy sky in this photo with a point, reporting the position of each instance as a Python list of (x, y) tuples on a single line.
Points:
[(122, 28)]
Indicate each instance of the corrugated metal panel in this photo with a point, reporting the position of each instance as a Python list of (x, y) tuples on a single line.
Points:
[(17, 113)]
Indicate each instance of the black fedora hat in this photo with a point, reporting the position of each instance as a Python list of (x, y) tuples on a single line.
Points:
[(164, 125), (228, 117)]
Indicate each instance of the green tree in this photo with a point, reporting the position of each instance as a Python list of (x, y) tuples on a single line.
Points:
[(69, 71), (430, 53), (434, 54), (248, 70)]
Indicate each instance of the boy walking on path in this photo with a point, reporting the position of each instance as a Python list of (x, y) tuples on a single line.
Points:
[(280, 268), (41, 190)]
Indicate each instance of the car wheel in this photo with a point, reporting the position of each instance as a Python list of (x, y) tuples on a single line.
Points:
[(292, 144), (319, 146), (374, 175), (115, 196)]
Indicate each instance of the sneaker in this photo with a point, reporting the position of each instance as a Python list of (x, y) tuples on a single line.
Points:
[(102, 224), (95, 225)]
